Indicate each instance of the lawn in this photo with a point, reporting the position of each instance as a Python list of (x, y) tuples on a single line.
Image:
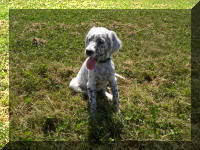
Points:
[(63, 4), (155, 60), (4, 82), (106, 4)]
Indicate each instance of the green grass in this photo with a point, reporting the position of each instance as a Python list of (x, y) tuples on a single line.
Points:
[(94, 4), (3, 82), (155, 60), (143, 4), (119, 4)]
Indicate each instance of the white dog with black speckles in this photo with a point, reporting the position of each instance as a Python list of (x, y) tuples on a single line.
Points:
[(98, 69)]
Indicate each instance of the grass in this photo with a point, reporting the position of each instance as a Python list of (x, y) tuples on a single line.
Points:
[(106, 4), (62, 4), (3, 82), (155, 60)]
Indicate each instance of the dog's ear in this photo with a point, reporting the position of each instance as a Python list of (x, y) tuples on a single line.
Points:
[(116, 42)]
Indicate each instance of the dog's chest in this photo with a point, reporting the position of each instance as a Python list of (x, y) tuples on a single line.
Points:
[(102, 77), (103, 72)]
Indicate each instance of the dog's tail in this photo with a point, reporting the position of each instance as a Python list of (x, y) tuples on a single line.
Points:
[(119, 76)]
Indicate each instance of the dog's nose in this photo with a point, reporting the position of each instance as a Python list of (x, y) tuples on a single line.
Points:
[(89, 52)]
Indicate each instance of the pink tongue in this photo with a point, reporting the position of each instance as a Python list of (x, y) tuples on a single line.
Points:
[(91, 62)]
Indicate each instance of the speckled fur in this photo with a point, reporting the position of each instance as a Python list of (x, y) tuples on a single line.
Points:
[(91, 81)]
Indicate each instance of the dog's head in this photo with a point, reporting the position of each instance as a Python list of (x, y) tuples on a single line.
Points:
[(101, 43)]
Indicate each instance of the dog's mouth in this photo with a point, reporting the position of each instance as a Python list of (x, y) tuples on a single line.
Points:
[(91, 63)]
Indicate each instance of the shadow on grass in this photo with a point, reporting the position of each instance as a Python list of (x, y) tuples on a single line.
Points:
[(105, 127)]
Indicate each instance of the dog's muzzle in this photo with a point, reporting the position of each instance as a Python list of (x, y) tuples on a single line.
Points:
[(90, 49)]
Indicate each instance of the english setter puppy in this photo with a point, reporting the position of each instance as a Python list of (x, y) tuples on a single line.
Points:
[(98, 69)]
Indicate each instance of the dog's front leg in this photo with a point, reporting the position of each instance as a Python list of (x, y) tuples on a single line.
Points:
[(114, 88), (91, 89)]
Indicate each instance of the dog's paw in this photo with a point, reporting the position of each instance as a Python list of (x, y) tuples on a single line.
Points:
[(117, 108)]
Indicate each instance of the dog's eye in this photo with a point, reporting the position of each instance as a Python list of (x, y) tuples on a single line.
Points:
[(100, 42), (89, 39)]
